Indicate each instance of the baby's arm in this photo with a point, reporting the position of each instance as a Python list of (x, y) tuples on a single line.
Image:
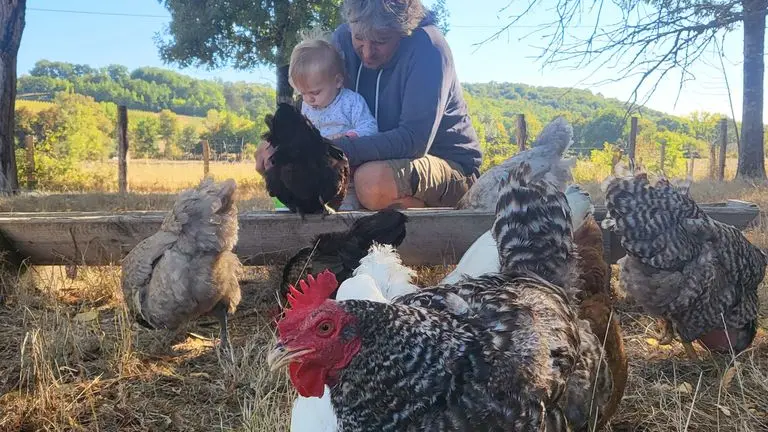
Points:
[(363, 122)]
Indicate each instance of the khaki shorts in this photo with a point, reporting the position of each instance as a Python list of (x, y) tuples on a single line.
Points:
[(437, 182)]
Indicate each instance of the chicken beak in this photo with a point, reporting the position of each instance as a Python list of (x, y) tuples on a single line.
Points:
[(282, 356)]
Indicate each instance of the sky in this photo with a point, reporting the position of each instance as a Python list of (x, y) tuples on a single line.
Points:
[(83, 31)]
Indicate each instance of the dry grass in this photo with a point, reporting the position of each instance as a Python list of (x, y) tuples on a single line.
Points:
[(72, 360), (153, 185)]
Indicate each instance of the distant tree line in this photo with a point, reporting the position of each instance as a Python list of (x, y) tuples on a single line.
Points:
[(146, 88)]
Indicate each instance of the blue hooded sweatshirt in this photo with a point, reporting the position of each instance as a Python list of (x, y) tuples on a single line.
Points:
[(417, 100)]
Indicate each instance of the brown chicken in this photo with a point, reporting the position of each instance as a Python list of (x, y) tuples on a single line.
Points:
[(596, 308), (694, 272)]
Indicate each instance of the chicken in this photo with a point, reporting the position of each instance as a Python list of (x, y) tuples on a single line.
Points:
[(341, 252), (596, 307), (482, 256), (380, 277), (187, 269), (693, 272), (546, 160), (309, 174), (545, 157), (498, 352)]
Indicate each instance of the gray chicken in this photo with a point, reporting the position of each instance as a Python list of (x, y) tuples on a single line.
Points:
[(187, 269), (545, 159), (693, 272)]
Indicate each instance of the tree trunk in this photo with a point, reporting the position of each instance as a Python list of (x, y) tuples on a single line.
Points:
[(751, 155), (11, 27), (284, 89)]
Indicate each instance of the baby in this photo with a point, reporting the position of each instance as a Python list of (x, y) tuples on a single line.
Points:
[(316, 71)]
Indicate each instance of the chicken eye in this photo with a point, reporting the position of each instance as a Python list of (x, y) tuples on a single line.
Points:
[(325, 328)]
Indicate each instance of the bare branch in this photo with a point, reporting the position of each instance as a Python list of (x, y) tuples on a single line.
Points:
[(650, 40)]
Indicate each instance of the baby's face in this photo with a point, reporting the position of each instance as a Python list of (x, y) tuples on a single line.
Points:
[(318, 91)]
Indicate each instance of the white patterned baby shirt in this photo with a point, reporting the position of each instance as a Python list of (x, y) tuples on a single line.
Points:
[(347, 113)]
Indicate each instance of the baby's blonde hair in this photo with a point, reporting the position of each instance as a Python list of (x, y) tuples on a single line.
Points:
[(314, 55)]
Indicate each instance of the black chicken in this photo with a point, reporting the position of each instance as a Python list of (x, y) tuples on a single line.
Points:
[(340, 252), (498, 352), (309, 174)]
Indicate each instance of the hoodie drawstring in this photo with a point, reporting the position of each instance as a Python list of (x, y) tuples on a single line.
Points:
[(376, 98)]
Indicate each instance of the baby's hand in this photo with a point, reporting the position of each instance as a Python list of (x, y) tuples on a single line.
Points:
[(351, 134)]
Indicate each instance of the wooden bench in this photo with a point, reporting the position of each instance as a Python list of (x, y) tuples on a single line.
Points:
[(435, 236)]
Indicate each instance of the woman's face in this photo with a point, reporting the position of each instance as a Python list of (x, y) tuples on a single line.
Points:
[(376, 49)]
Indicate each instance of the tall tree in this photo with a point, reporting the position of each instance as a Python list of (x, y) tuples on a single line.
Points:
[(12, 14), (242, 33), (651, 38)]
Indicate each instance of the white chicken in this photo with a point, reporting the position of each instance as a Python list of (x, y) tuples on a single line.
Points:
[(380, 277)]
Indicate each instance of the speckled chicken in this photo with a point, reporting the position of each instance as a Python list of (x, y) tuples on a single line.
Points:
[(690, 270), (309, 173), (187, 269), (498, 352)]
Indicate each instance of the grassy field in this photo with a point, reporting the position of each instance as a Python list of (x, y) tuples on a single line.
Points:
[(184, 120), (71, 360)]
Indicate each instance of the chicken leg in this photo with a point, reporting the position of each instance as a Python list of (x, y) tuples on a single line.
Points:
[(220, 312), (327, 210), (690, 351), (666, 330)]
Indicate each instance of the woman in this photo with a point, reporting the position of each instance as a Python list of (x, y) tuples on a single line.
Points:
[(426, 152)]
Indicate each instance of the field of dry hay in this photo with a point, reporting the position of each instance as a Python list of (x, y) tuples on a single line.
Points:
[(72, 360)]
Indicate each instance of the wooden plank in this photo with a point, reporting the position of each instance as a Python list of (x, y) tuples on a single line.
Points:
[(435, 236)]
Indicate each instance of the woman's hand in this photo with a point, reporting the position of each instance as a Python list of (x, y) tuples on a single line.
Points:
[(263, 154)]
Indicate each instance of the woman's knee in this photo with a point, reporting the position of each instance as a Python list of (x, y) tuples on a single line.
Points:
[(375, 185)]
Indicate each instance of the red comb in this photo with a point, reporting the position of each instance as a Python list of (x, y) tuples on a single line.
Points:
[(311, 293)]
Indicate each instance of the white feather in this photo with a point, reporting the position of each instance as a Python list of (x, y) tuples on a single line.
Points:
[(383, 264)]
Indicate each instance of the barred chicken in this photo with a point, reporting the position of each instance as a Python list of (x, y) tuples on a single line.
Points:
[(498, 352), (341, 252), (698, 275), (187, 269), (309, 174)]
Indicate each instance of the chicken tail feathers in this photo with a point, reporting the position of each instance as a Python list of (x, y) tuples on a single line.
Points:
[(533, 227), (384, 226)]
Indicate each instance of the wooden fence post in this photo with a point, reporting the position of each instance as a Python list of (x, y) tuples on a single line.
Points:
[(206, 157), (122, 149), (522, 132), (723, 145), (690, 167), (663, 154), (632, 142), (712, 160), (29, 145)]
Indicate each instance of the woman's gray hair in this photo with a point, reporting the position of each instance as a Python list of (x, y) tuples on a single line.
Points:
[(371, 16)]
